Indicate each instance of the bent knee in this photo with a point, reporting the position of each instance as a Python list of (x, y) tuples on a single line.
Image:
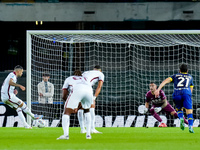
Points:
[(22, 103)]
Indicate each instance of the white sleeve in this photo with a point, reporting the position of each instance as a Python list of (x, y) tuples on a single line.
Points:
[(13, 77), (66, 84), (101, 77)]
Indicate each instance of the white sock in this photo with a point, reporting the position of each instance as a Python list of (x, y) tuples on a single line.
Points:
[(27, 110), (81, 119), (65, 124), (21, 116), (92, 113), (88, 122)]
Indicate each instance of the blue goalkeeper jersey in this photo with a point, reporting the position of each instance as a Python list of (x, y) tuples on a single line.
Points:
[(182, 83)]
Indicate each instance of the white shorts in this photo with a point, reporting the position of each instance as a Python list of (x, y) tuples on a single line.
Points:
[(14, 102), (80, 93)]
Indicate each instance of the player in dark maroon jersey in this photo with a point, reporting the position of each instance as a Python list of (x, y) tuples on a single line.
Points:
[(159, 103)]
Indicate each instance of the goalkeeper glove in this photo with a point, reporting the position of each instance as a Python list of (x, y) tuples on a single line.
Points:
[(157, 109), (145, 110)]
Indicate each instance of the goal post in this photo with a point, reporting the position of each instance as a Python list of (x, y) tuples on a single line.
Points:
[(129, 61), (28, 73)]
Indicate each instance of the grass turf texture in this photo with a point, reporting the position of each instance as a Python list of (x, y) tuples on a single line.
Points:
[(112, 138)]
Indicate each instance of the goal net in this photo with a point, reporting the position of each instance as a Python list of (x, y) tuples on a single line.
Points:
[(129, 61)]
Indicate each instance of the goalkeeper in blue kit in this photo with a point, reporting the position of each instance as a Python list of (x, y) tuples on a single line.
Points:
[(182, 96)]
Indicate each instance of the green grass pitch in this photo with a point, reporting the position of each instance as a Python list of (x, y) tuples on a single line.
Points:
[(112, 138)]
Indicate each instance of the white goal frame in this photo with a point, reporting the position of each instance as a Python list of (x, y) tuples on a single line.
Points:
[(28, 46)]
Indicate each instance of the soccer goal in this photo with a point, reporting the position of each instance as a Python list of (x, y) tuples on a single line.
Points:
[(129, 61)]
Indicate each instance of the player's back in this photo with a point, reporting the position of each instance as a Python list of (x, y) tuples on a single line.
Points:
[(6, 88), (182, 83), (93, 76), (73, 81)]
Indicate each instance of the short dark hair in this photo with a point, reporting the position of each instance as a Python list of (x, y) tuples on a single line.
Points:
[(77, 73), (18, 67), (46, 74), (183, 68), (97, 67), (152, 82)]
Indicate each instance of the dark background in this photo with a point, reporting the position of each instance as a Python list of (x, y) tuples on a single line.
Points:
[(13, 34)]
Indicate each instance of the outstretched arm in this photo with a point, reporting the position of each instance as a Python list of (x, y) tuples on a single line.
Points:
[(168, 80)]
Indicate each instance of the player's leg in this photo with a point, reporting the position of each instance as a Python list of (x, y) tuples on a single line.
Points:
[(66, 120), (16, 107), (174, 113), (189, 111), (81, 119), (87, 123), (22, 118), (156, 116), (19, 103), (170, 110), (25, 109), (86, 104), (178, 100), (66, 123), (179, 104), (70, 104), (92, 113)]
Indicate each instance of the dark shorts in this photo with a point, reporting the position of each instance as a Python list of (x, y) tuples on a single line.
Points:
[(181, 101)]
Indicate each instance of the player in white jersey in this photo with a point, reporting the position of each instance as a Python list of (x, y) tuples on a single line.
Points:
[(93, 76), (79, 90), (8, 96)]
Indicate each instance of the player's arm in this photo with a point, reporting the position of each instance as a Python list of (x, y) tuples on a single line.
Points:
[(191, 88), (168, 80), (98, 89), (65, 92), (11, 83), (147, 105)]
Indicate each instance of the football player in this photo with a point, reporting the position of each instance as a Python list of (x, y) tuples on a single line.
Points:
[(182, 96), (93, 76), (8, 96), (79, 90), (159, 103)]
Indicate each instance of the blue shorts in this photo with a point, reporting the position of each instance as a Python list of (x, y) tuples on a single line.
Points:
[(181, 101)]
